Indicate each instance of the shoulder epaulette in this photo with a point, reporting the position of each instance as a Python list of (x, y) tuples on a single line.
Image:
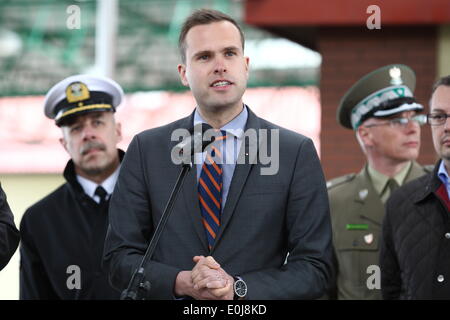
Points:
[(340, 180)]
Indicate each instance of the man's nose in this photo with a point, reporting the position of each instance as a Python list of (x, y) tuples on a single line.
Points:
[(88, 133), (220, 66), (447, 125), (412, 126)]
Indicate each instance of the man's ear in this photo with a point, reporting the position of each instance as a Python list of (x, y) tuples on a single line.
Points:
[(182, 73), (365, 136), (247, 64), (119, 131), (63, 142)]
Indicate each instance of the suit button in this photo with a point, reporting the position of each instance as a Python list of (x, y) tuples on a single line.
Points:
[(447, 235), (440, 278)]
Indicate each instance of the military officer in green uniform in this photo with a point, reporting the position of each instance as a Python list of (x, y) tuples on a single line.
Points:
[(380, 108)]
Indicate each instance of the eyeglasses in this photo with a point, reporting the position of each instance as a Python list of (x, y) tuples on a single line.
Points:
[(437, 118), (420, 119)]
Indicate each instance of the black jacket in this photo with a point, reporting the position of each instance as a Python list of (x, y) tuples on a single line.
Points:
[(9, 235), (415, 249), (63, 237)]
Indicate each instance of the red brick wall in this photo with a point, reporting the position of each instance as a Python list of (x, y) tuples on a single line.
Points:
[(348, 53)]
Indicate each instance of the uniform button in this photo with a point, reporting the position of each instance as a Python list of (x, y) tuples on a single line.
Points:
[(447, 235), (440, 278)]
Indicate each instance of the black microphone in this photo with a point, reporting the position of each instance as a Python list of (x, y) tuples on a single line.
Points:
[(193, 143)]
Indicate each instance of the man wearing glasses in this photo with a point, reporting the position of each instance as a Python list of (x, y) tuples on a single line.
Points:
[(383, 113), (415, 246)]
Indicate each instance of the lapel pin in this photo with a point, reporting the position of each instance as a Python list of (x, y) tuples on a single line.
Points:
[(368, 238), (363, 194)]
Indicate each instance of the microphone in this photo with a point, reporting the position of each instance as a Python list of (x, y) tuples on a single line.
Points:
[(193, 143)]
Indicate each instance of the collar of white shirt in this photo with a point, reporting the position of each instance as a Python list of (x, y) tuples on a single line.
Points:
[(89, 186)]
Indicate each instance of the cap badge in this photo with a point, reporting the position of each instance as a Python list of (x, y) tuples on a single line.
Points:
[(395, 74), (77, 91)]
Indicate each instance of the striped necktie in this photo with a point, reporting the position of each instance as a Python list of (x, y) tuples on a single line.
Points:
[(210, 191)]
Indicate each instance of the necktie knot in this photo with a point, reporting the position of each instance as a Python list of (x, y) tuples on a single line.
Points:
[(392, 185), (101, 193)]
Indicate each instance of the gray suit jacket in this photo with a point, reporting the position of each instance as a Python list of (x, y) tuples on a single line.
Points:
[(265, 218)]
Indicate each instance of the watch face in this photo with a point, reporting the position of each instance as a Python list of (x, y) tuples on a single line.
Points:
[(240, 288)]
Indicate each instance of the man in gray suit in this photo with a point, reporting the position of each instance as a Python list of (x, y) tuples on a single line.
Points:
[(237, 231)]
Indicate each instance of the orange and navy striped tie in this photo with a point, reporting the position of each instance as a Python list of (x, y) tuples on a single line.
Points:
[(210, 192)]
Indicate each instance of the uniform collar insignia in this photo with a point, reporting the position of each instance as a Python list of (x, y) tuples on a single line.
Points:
[(363, 194)]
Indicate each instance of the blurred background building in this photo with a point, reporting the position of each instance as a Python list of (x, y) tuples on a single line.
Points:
[(303, 54)]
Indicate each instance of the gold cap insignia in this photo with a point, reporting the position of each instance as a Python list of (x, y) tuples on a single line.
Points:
[(77, 91)]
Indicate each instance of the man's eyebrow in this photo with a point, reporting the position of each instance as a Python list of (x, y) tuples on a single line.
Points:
[(230, 48), (201, 53), (206, 52), (437, 109)]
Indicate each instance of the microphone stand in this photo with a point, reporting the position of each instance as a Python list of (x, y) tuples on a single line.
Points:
[(139, 287)]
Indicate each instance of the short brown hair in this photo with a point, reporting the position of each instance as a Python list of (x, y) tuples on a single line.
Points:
[(444, 81), (201, 17)]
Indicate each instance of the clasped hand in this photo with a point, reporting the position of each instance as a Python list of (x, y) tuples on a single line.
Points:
[(206, 281)]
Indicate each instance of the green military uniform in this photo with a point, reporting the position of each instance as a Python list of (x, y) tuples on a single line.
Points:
[(357, 200), (357, 213)]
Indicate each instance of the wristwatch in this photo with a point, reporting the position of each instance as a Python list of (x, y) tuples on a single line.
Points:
[(240, 288)]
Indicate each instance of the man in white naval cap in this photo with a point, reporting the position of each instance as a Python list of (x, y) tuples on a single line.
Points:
[(384, 115), (63, 234)]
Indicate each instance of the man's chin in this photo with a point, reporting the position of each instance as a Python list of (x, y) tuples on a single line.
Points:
[(445, 154), (93, 171), (218, 106), (94, 167)]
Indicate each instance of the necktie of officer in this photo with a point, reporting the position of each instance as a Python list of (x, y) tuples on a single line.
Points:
[(388, 189), (392, 185), (210, 191), (102, 194)]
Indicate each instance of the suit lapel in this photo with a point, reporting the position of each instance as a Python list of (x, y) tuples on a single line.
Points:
[(190, 197), (240, 174)]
